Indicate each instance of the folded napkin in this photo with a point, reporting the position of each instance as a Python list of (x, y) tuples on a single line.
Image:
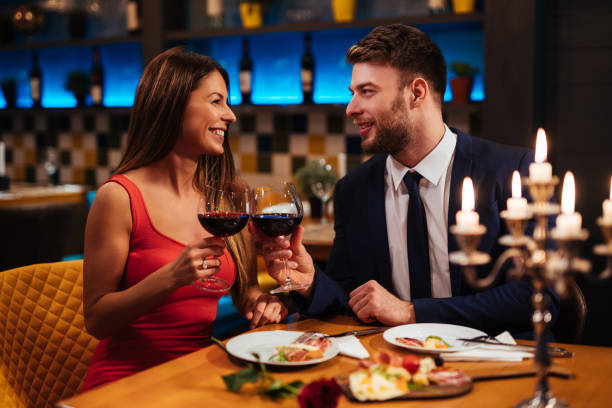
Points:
[(490, 352), (351, 346)]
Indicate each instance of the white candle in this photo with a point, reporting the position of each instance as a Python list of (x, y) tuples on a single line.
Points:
[(516, 205), (467, 218), (569, 222), (607, 207), (541, 170), (341, 165), (2, 163)]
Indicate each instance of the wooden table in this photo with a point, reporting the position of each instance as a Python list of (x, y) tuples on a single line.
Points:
[(25, 194), (318, 238), (195, 379)]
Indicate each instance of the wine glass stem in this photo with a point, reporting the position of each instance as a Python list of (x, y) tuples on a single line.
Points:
[(323, 211), (286, 271)]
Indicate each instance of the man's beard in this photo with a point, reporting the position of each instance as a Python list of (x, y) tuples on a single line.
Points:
[(393, 129)]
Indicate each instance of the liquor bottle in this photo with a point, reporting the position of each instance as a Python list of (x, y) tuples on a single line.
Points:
[(246, 72), (132, 16), (35, 81), (307, 71), (214, 11), (97, 79), (437, 6)]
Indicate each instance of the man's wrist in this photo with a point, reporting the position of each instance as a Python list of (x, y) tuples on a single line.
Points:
[(411, 318)]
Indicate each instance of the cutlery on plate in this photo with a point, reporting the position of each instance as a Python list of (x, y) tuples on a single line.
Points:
[(553, 351), (358, 332)]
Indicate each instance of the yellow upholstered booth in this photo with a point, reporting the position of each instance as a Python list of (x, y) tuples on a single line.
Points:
[(44, 348)]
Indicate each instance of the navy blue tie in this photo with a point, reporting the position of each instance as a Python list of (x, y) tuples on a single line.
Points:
[(418, 247)]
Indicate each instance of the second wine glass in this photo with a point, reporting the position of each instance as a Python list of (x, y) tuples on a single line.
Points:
[(278, 212), (222, 212)]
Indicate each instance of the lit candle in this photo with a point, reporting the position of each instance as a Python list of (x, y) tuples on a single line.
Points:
[(467, 218), (607, 207), (569, 222), (541, 170), (2, 163), (516, 205)]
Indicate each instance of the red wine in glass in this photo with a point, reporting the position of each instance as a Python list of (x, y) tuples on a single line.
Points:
[(274, 225), (223, 213), (278, 211), (223, 224)]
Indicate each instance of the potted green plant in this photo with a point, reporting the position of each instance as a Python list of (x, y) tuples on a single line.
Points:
[(463, 81), (315, 181), (9, 90), (77, 82)]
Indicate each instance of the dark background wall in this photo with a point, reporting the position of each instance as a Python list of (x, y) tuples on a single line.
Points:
[(575, 110)]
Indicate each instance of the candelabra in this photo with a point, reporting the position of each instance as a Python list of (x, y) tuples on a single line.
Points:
[(529, 256)]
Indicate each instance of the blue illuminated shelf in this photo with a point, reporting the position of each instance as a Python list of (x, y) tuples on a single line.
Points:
[(85, 42), (315, 26)]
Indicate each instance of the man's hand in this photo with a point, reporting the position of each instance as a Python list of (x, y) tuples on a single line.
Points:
[(371, 302), (299, 264)]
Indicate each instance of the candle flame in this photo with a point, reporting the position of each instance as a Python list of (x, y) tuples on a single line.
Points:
[(541, 151), (516, 185), (467, 201), (568, 195)]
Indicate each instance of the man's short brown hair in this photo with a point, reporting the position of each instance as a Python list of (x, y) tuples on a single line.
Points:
[(406, 48)]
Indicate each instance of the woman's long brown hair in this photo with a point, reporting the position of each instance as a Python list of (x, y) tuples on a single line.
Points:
[(156, 124)]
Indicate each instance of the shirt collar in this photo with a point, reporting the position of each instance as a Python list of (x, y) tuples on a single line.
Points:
[(431, 167)]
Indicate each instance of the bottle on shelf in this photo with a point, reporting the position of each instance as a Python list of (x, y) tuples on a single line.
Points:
[(308, 64), (132, 16), (246, 72), (97, 79), (437, 6), (214, 12), (35, 81)]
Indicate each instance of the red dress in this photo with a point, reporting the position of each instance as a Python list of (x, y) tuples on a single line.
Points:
[(181, 324)]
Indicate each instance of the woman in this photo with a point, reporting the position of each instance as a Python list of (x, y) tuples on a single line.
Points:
[(143, 244)]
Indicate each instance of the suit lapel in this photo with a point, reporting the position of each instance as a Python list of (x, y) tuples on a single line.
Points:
[(378, 225), (462, 164)]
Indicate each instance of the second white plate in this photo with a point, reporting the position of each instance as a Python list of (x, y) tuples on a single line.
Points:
[(264, 342), (420, 331)]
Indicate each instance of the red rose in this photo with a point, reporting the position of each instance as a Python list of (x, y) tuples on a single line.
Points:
[(320, 394)]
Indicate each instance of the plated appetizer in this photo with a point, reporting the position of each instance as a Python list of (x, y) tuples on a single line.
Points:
[(392, 376), (309, 346), (431, 342)]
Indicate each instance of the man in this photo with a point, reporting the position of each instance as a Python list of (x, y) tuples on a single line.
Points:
[(389, 262)]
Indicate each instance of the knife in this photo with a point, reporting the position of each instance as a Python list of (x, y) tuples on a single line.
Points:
[(552, 350), (358, 332)]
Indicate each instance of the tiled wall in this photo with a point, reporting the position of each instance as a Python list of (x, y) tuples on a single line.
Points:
[(86, 145)]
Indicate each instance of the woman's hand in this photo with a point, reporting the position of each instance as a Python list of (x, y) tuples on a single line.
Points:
[(299, 261), (189, 265), (265, 309)]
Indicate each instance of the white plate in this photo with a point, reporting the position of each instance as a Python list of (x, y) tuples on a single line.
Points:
[(420, 331), (264, 342)]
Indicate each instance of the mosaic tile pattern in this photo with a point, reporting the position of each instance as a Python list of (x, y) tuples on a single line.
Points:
[(86, 146)]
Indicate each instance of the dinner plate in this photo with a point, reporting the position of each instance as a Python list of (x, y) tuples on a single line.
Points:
[(420, 331), (264, 342)]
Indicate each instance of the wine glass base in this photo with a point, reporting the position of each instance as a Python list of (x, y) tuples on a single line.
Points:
[(288, 288), (215, 285), (542, 402)]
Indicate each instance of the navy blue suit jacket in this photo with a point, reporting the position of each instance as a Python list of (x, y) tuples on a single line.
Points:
[(361, 250)]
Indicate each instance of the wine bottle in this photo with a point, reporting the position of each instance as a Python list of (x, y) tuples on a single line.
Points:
[(307, 71), (246, 71), (35, 81), (97, 79), (214, 11), (132, 16)]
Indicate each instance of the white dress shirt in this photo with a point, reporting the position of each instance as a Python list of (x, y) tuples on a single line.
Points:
[(434, 188)]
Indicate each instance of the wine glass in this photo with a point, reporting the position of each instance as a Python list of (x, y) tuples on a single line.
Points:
[(278, 211), (323, 190), (222, 212)]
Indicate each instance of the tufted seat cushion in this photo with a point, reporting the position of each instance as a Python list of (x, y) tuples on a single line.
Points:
[(44, 347)]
